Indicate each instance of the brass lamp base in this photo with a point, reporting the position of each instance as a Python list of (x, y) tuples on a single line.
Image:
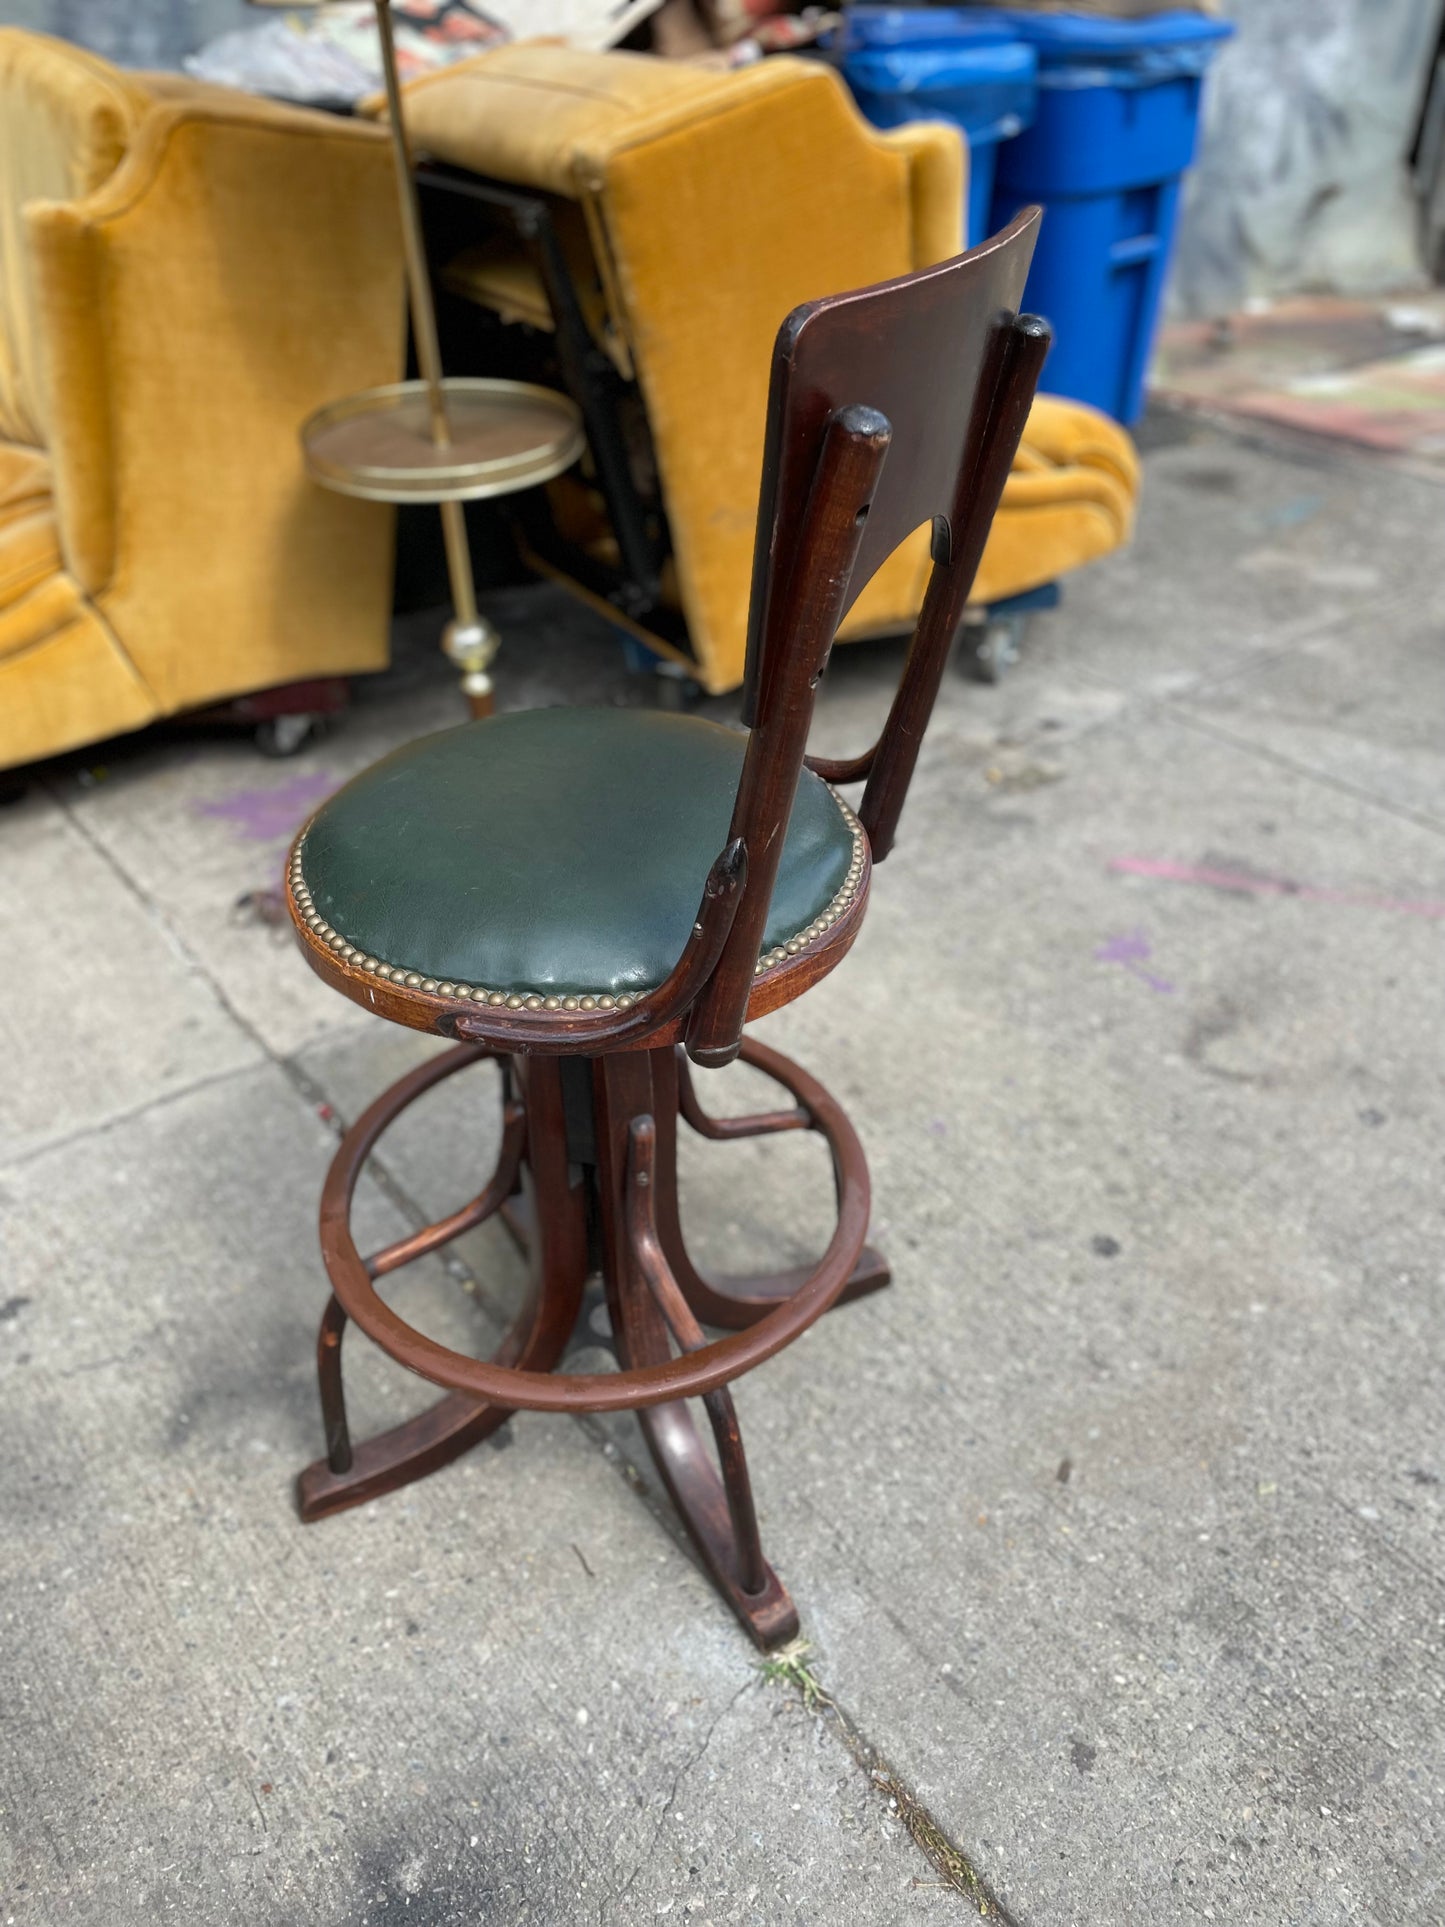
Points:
[(444, 440), (502, 436)]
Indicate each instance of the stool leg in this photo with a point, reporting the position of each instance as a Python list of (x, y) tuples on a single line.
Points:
[(742, 1514), (333, 1393), (731, 1302), (717, 1511), (538, 1337)]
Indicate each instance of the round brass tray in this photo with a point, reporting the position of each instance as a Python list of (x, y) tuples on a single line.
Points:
[(505, 435)]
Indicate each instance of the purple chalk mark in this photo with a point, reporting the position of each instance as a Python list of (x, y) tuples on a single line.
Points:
[(261, 816), (1167, 872), (1125, 950), (1133, 952)]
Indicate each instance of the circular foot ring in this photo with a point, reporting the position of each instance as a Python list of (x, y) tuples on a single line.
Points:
[(690, 1376)]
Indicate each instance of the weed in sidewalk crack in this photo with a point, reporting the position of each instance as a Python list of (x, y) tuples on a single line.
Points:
[(791, 1668), (788, 1666)]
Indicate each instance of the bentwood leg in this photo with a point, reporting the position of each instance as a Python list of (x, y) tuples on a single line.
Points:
[(718, 1512), (350, 1475), (734, 1301), (586, 1177)]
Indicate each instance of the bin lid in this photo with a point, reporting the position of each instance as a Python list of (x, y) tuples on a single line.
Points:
[(924, 27), (952, 63), (1087, 50), (990, 89)]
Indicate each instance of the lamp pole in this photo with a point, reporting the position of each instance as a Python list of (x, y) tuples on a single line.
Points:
[(468, 639)]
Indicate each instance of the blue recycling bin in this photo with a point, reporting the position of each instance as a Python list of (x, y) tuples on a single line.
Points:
[(1115, 128), (943, 63)]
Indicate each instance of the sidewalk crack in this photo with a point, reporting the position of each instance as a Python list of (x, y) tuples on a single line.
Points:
[(677, 1779), (790, 1668)]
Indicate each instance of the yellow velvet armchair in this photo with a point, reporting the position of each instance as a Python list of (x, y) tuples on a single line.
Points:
[(712, 203), (185, 274)]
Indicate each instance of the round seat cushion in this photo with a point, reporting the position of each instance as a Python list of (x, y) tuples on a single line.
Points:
[(555, 851)]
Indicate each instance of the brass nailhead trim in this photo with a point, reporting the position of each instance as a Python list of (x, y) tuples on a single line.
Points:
[(534, 1000)]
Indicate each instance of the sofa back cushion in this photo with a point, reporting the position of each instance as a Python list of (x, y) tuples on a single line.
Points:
[(66, 119), (718, 202)]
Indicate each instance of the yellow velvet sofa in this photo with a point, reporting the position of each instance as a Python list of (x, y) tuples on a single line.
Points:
[(185, 274), (713, 203)]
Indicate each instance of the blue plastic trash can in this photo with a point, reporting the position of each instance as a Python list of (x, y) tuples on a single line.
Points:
[(1118, 113), (943, 63)]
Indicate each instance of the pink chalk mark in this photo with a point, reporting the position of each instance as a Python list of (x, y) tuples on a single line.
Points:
[(1238, 881)]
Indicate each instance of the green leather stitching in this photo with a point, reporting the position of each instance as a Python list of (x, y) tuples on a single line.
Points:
[(400, 975)]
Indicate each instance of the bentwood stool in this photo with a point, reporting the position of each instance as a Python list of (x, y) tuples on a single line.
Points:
[(596, 897)]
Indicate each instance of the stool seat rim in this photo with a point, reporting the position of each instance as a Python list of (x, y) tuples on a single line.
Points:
[(537, 1025)]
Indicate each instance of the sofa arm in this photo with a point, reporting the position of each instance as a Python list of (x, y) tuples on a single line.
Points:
[(1070, 434), (937, 156), (241, 267)]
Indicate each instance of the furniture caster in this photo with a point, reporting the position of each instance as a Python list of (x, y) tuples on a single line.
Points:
[(993, 632), (992, 646), (284, 719), (675, 689), (285, 735)]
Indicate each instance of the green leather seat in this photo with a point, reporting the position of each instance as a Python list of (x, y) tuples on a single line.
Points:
[(556, 852)]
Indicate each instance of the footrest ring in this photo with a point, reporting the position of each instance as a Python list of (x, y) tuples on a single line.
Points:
[(690, 1376)]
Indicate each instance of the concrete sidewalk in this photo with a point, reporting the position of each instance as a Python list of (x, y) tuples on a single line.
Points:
[(1114, 1525)]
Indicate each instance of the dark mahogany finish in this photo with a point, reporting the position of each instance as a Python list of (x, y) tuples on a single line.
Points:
[(890, 408)]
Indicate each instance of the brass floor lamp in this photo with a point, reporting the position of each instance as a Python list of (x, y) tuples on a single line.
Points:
[(440, 439)]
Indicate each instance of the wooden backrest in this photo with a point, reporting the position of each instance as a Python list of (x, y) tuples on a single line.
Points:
[(891, 407)]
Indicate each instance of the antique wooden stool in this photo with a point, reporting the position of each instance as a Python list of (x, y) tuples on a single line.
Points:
[(596, 897)]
